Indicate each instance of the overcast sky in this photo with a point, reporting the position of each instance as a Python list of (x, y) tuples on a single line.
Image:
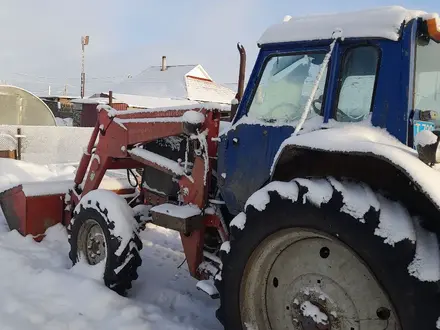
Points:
[(41, 40)]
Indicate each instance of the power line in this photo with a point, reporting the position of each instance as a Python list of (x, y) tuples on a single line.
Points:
[(68, 78)]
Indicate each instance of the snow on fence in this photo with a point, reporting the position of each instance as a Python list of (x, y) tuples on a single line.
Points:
[(45, 144), (8, 142)]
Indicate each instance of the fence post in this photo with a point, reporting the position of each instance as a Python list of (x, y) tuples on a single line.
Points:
[(19, 143)]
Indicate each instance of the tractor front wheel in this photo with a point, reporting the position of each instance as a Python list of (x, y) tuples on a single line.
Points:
[(103, 233), (322, 254)]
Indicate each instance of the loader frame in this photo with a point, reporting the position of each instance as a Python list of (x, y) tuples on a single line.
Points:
[(115, 136)]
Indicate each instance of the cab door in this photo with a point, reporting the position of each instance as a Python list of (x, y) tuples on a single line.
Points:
[(272, 106)]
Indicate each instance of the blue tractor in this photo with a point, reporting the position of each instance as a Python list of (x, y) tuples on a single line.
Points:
[(333, 205)]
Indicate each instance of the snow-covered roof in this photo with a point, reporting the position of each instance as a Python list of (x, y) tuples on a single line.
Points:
[(208, 91), (56, 96), (154, 82), (95, 100), (383, 22), (180, 82), (139, 101), (232, 85)]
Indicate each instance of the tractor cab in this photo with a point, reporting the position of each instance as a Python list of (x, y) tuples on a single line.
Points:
[(377, 67)]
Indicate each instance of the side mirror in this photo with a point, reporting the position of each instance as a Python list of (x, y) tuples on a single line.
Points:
[(427, 146)]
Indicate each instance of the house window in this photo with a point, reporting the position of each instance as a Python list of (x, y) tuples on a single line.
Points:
[(285, 87), (357, 81)]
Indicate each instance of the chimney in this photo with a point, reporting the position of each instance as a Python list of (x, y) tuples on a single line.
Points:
[(164, 63), (110, 98)]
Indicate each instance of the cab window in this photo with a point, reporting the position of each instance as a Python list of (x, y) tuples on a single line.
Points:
[(357, 81), (427, 80), (285, 86)]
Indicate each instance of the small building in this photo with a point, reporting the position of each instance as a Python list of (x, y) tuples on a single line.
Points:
[(61, 105), (85, 112)]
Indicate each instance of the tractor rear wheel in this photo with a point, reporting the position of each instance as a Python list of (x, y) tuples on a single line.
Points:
[(303, 262), (103, 233)]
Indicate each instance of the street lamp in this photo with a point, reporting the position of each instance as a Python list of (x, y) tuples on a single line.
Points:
[(84, 42)]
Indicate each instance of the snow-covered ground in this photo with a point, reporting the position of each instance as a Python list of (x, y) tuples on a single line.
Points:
[(40, 289)]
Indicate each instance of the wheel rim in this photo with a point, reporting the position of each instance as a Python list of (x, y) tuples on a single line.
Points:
[(299, 279), (91, 242)]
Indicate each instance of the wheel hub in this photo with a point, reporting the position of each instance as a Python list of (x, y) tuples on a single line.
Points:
[(312, 309), (91, 242), (313, 317), (313, 282)]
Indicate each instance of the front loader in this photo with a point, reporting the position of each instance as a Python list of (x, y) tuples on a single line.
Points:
[(318, 208)]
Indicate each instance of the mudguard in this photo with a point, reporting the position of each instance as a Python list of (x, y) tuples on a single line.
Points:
[(366, 142)]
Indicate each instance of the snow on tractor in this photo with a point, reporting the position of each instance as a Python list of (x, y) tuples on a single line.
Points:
[(318, 208)]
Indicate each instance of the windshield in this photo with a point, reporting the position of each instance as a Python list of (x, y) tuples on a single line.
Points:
[(427, 79), (285, 86)]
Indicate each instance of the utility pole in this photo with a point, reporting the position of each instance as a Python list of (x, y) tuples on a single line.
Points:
[(84, 42)]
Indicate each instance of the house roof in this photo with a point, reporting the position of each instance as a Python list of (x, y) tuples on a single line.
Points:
[(94, 100), (57, 97), (139, 101), (208, 91), (154, 82), (183, 82), (232, 85), (136, 101)]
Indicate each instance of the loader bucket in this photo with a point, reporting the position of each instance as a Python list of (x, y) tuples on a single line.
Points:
[(31, 215), (31, 212)]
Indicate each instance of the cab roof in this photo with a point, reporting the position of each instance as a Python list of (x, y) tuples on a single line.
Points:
[(382, 22)]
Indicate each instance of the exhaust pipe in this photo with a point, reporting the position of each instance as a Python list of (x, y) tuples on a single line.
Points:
[(241, 76), (164, 63), (242, 71)]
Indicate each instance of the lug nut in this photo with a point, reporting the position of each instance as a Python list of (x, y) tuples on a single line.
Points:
[(383, 313), (324, 252)]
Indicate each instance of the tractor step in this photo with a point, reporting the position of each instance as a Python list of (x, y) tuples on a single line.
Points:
[(208, 287), (185, 218)]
